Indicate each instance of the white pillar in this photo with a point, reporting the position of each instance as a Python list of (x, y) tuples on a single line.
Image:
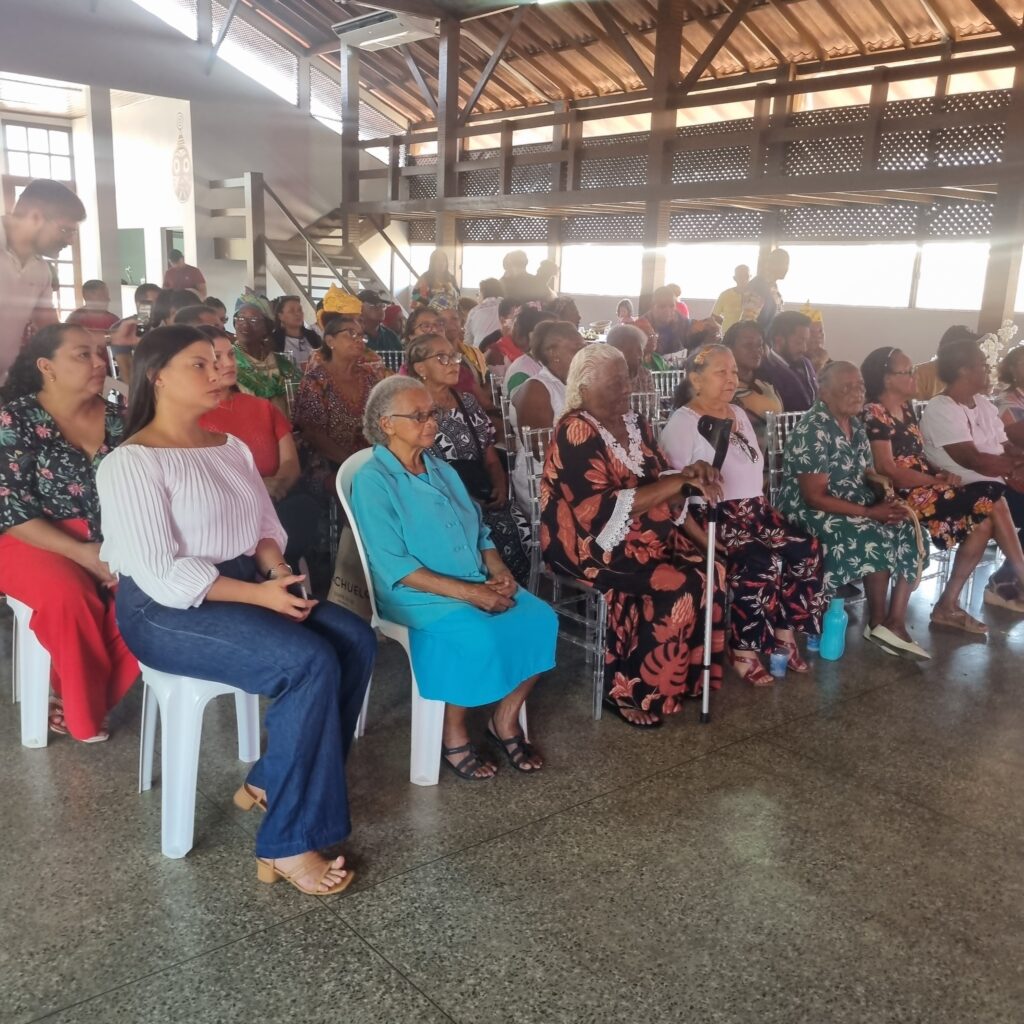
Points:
[(104, 226)]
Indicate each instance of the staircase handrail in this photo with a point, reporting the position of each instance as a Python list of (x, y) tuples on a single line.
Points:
[(394, 248), (301, 231)]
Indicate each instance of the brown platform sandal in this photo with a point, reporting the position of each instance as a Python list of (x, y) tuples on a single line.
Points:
[(245, 799)]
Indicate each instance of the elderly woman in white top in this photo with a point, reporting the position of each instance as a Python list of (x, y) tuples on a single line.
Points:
[(964, 435), (205, 592), (774, 570)]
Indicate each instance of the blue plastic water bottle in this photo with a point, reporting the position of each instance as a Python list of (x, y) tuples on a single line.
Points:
[(833, 631)]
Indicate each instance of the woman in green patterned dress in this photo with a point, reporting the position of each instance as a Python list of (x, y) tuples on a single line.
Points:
[(825, 491), (261, 371)]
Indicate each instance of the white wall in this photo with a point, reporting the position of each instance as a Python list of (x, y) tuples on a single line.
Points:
[(146, 135), (851, 331), (236, 124)]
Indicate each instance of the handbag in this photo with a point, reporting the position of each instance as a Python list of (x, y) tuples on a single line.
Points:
[(472, 472)]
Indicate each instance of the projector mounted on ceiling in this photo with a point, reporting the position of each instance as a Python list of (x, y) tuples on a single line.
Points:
[(383, 29)]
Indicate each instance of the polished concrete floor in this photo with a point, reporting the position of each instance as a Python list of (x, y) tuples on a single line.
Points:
[(847, 846)]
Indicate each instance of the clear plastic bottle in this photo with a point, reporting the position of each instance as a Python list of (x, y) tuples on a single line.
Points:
[(833, 631)]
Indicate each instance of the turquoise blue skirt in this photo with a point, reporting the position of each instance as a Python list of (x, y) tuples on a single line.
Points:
[(470, 657)]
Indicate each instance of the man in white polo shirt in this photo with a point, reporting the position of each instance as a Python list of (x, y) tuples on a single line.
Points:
[(44, 221)]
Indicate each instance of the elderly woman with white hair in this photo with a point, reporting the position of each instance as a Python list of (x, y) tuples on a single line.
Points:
[(611, 517), (475, 637)]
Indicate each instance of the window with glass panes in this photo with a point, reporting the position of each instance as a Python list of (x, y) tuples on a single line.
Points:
[(43, 151), (37, 151)]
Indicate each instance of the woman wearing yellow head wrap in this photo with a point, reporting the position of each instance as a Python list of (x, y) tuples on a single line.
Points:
[(337, 302)]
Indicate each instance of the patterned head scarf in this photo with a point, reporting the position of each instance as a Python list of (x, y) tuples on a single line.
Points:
[(338, 301), (260, 302)]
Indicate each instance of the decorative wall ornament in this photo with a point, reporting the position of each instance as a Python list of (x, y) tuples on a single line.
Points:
[(181, 165)]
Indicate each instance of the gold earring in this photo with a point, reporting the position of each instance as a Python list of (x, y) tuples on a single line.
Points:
[(52, 378)]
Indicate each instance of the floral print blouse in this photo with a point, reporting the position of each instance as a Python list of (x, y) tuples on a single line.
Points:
[(43, 476), (266, 378)]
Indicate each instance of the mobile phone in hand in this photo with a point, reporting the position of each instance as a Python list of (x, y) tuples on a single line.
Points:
[(299, 590)]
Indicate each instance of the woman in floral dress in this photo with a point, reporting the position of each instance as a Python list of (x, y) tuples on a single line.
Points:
[(55, 429), (774, 570), (610, 518), (331, 402), (955, 514), (825, 491)]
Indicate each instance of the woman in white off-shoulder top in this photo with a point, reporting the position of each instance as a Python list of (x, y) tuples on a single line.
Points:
[(205, 592)]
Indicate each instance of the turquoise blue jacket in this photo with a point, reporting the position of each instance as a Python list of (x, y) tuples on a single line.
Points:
[(411, 522)]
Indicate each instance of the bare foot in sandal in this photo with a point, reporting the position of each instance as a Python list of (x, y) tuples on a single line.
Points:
[(311, 873), (958, 619), (521, 755)]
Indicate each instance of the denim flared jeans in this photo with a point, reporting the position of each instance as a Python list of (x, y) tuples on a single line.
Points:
[(315, 673)]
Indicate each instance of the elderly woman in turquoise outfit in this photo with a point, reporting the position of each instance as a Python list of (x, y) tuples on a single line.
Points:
[(476, 638), (825, 490)]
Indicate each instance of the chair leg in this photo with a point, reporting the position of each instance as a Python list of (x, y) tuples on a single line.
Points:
[(247, 711), (600, 639), (363, 712), (33, 671), (15, 675), (147, 739), (181, 720), (427, 735)]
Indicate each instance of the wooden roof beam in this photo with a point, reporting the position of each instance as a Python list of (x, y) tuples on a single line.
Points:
[(581, 47), (800, 28), (724, 31), (563, 90), (620, 43), (883, 11), (559, 59), (748, 26), (698, 16), (492, 63), (833, 12), (417, 76), (942, 24), (1002, 22)]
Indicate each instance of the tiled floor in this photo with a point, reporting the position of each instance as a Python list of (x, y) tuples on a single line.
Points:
[(847, 846)]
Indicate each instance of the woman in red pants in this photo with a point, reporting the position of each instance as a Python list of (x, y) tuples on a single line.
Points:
[(54, 429)]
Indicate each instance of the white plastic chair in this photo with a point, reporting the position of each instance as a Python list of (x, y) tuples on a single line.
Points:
[(427, 715), (30, 677), (181, 702)]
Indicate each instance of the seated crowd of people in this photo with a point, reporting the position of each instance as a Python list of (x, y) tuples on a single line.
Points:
[(174, 528)]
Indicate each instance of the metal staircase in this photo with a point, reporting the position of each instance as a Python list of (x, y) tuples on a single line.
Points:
[(312, 258)]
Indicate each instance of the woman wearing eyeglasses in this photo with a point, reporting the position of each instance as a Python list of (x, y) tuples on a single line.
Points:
[(465, 439), (476, 637), (774, 570), (261, 371), (331, 401)]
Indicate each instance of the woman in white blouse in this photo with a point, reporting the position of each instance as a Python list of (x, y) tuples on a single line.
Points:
[(964, 435), (205, 592), (774, 570)]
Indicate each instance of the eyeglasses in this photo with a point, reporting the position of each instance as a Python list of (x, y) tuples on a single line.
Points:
[(419, 417), (902, 373), (248, 319), (350, 333), (427, 327), (444, 358)]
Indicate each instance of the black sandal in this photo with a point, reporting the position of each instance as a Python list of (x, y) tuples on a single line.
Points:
[(517, 750), (469, 765), (612, 705)]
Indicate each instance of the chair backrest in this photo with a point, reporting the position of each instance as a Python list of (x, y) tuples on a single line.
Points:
[(348, 470), (535, 443), (496, 391), (778, 427), (647, 404), (392, 359)]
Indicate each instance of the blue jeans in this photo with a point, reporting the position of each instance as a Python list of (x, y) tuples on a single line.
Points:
[(316, 672)]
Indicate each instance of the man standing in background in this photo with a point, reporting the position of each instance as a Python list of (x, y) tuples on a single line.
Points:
[(729, 304), (44, 221), (181, 276)]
